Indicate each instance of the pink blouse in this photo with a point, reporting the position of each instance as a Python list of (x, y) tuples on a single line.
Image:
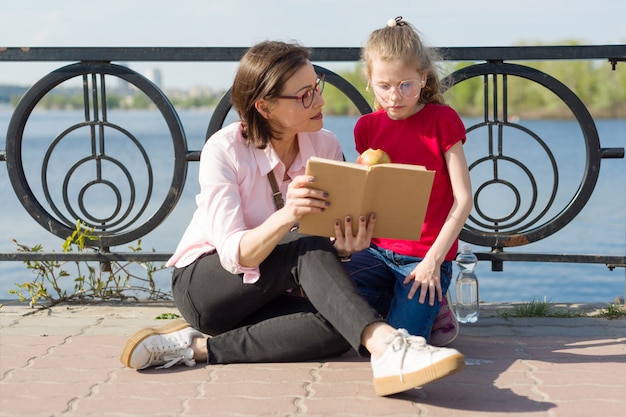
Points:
[(235, 194)]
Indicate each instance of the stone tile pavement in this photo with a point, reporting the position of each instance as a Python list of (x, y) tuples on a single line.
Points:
[(64, 361)]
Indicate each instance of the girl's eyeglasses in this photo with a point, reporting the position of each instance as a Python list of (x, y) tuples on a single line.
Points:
[(407, 89), (309, 95)]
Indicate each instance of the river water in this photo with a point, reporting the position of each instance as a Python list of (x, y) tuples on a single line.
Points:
[(599, 229)]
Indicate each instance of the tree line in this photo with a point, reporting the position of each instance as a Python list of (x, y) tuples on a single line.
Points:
[(601, 89)]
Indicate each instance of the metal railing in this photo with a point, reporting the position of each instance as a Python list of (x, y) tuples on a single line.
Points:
[(135, 212)]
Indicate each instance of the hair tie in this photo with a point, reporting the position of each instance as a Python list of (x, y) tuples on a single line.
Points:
[(396, 22)]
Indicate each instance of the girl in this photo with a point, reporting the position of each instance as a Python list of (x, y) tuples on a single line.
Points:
[(407, 280)]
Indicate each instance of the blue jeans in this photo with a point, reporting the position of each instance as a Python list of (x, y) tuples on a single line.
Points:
[(379, 274)]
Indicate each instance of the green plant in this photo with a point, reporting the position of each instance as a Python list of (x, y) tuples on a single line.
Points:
[(167, 316), (114, 281), (614, 311), (536, 308)]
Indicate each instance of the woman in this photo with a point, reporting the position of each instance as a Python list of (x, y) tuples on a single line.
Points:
[(240, 259)]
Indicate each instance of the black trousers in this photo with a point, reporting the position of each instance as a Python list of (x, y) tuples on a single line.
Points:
[(262, 322)]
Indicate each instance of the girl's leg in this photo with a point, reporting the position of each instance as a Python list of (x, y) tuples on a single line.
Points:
[(379, 274), (412, 315), (373, 278)]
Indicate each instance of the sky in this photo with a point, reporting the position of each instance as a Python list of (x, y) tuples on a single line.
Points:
[(321, 23)]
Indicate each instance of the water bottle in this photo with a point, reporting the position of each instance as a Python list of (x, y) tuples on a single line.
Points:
[(466, 287)]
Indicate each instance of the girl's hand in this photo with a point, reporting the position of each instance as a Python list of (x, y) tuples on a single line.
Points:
[(425, 276), (346, 244)]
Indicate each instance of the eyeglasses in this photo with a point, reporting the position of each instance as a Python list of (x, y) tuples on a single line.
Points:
[(309, 95), (407, 89)]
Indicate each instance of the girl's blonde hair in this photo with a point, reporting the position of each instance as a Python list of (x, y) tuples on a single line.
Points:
[(400, 41)]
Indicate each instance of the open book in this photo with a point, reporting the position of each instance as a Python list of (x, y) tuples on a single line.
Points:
[(397, 193)]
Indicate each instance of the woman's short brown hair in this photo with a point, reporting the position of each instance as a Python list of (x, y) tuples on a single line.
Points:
[(263, 71)]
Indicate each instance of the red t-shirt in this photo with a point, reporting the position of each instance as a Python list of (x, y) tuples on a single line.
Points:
[(421, 139)]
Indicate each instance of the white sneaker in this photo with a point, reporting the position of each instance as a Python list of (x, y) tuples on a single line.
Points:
[(166, 346), (409, 362)]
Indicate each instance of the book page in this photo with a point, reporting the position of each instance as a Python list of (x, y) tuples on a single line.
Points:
[(399, 196), (344, 182), (397, 193)]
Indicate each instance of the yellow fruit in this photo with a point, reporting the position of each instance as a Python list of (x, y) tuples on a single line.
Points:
[(373, 157)]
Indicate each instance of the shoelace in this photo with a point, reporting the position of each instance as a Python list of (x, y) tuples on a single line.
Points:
[(170, 358), (403, 341)]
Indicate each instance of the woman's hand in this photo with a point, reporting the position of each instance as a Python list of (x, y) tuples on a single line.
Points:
[(347, 243), (302, 199), (426, 277)]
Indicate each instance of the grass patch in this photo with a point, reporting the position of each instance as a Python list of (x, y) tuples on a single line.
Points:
[(537, 308), (167, 316), (614, 311)]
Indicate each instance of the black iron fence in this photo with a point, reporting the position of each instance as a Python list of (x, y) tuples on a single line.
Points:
[(532, 212)]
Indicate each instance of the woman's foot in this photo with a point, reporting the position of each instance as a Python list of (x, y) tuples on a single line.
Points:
[(164, 346), (409, 362), (446, 326)]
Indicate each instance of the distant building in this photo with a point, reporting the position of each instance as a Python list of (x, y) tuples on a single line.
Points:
[(156, 76)]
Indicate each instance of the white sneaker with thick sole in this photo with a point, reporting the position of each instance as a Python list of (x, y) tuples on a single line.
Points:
[(163, 346), (409, 362)]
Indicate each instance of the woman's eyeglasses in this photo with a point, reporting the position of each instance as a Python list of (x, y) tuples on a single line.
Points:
[(407, 89), (309, 95)]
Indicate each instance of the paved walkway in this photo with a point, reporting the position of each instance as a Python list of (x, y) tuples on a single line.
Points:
[(64, 361)]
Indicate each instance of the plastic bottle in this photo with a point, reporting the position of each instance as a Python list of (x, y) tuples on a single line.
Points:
[(466, 300)]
